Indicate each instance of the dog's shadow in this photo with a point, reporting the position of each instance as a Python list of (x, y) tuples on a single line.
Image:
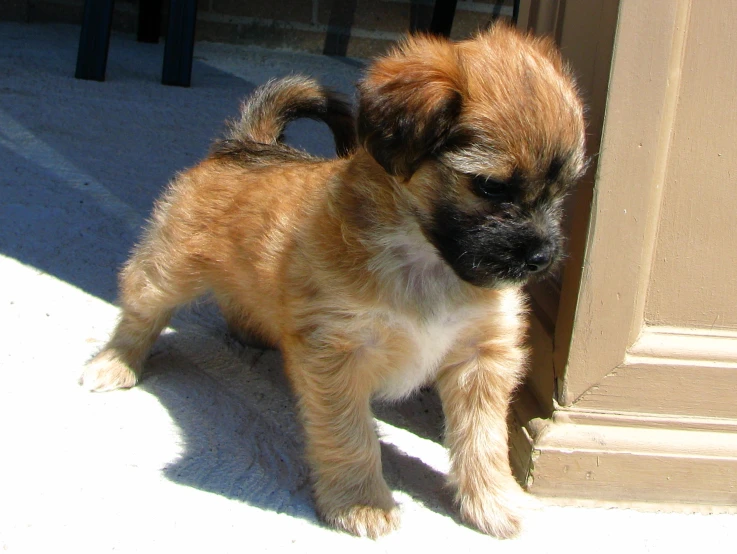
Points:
[(240, 437)]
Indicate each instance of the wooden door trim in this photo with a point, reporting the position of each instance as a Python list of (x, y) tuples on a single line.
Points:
[(630, 177), (671, 370), (579, 456)]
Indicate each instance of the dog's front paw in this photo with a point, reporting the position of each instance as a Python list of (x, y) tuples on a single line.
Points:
[(499, 514), (365, 521), (106, 372)]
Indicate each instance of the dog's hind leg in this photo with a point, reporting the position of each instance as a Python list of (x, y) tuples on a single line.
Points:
[(152, 284)]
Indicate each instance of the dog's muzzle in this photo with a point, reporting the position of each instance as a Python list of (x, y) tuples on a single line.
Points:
[(486, 251)]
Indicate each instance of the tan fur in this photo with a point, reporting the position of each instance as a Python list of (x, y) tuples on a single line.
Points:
[(328, 261)]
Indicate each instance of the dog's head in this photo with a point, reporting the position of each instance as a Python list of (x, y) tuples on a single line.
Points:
[(486, 136)]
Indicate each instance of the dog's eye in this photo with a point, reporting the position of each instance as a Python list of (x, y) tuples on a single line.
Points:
[(492, 189)]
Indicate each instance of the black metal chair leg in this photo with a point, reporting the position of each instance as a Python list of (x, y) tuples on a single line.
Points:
[(442, 17), (179, 43), (444, 13), (515, 12), (94, 40), (149, 20), (342, 13)]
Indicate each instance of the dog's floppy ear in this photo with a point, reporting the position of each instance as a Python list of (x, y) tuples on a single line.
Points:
[(409, 100)]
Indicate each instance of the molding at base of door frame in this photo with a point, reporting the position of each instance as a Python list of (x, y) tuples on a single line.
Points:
[(583, 456)]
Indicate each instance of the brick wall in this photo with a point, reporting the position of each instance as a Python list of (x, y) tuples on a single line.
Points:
[(352, 27)]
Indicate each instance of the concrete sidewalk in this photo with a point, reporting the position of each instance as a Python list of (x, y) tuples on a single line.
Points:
[(204, 456)]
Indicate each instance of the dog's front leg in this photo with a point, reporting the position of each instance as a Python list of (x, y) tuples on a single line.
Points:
[(475, 385), (334, 387)]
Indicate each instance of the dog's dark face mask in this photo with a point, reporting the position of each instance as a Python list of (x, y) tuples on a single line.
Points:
[(492, 232), (507, 245)]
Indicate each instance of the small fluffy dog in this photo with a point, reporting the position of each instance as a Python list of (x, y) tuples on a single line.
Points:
[(399, 264)]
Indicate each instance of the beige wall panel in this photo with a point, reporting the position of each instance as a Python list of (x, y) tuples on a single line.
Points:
[(694, 277)]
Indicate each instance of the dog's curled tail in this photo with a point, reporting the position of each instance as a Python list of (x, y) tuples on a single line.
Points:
[(266, 113)]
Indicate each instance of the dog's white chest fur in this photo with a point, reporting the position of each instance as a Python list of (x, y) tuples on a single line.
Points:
[(427, 343), (413, 270)]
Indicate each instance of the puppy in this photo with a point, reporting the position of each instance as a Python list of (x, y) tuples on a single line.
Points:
[(397, 265)]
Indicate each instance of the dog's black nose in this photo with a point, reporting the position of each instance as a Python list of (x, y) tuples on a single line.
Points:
[(539, 260)]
